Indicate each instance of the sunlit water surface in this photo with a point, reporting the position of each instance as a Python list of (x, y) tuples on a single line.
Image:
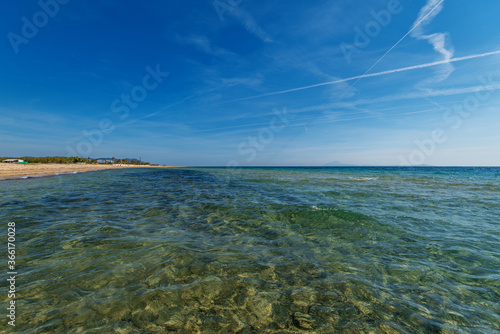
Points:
[(257, 250)]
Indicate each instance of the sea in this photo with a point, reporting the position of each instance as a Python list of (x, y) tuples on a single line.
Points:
[(254, 250)]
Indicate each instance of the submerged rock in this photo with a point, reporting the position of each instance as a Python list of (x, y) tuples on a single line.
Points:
[(260, 306), (302, 320)]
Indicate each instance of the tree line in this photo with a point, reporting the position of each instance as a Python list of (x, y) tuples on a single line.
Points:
[(74, 160)]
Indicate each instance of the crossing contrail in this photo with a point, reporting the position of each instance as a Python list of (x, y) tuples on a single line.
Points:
[(370, 75)]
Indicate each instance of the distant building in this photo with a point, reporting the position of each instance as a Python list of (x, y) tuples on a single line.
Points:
[(13, 160)]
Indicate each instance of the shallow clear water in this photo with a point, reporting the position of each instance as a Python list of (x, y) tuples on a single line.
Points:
[(257, 250)]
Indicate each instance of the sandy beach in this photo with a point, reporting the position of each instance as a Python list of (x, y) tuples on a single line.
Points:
[(8, 170)]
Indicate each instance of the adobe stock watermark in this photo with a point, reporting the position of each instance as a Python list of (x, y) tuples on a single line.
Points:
[(372, 29), (250, 147), (120, 106), (11, 272), (40, 19), (454, 118), (223, 6)]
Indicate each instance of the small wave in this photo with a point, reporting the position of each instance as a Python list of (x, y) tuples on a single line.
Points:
[(67, 173), (26, 177), (362, 178), (316, 208)]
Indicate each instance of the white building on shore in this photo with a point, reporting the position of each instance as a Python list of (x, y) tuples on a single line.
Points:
[(13, 160)]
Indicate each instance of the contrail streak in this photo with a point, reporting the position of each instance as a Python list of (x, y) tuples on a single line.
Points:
[(409, 32), (370, 75)]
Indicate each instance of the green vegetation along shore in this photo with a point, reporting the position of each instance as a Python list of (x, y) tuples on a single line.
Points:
[(74, 160)]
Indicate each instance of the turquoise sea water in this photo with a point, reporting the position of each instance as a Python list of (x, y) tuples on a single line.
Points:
[(256, 250)]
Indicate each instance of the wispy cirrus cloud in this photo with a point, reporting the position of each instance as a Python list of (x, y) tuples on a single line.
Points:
[(203, 44), (250, 24), (405, 96), (438, 40)]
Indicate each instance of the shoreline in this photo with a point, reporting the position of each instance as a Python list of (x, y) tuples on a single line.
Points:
[(13, 171)]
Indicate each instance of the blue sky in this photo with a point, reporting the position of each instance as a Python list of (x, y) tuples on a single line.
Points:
[(238, 82)]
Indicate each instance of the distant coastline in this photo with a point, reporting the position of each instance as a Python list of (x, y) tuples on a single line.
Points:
[(22, 171)]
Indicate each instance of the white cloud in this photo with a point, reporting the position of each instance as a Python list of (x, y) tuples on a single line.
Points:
[(437, 40)]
